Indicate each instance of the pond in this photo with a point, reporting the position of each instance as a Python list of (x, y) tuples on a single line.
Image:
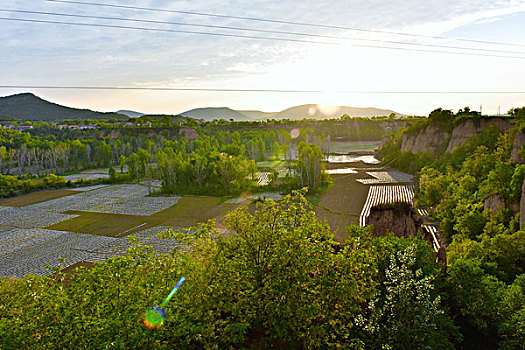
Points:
[(345, 147), (352, 158), (341, 171)]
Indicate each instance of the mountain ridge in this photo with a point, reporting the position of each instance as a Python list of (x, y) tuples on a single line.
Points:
[(27, 106), (306, 111)]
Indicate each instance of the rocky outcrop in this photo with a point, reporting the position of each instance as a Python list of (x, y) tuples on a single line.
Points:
[(431, 139), (471, 127), (494, 202), (522, 206), (384, 141), (519, 141), (401, 220)]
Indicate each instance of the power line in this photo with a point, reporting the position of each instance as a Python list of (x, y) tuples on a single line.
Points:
[(249, 37), (255, 30), (258, 90), (318, 25)]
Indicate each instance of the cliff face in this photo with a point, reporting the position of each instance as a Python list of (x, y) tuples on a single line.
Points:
[(494, 202), (431, 139), (402, 221), (434, 140), (463, 131), (522, 207), (519, 141)]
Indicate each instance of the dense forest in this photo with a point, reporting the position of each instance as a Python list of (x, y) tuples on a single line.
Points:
[(159, 151), (486, 243)]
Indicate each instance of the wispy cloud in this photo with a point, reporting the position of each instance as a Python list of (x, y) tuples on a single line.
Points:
[(67, 55)]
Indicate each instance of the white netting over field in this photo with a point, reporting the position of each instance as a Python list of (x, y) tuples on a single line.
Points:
[(28, 217), (387, 177), (30, 250), (118, 199), (120, 246), (385, 195)]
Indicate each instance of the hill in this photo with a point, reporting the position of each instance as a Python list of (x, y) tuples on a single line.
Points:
[(314, 111), (27, 106), (308, 111), (210, 113), (257, 115), (131, 114)]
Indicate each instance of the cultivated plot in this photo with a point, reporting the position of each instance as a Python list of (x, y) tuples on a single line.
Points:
[(118, 199), (28, 251), (148, 237), (385, 195), (28, 218), (387, 177)]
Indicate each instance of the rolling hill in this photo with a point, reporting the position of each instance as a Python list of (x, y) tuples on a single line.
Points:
[(314, 111), (211, 113), (27, 106), (131, 114), (308, 111)]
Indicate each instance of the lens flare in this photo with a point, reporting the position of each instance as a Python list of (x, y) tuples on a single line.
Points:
[(155, 317)]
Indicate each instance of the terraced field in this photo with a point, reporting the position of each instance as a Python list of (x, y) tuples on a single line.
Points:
[(385, 195)]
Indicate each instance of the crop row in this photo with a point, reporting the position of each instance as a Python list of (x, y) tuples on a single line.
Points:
[(30, 218), (119, 199), (148, 237), (385, 195), (28, 251)]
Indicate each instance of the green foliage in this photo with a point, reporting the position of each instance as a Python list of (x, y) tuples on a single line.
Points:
[(277, 280), (405, 316), (310, 168)]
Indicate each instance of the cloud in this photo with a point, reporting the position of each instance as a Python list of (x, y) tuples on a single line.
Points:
[(68, 55)]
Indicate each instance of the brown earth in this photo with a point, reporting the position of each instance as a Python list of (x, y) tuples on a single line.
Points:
[(342, 203), (35, 197)]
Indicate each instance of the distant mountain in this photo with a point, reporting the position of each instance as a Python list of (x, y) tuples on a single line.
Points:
[(210, 113), (131, 114), (313, 111), (27, 106), (257, 115), (309, 111)]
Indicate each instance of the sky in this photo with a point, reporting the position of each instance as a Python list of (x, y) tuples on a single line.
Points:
[(43, 54)]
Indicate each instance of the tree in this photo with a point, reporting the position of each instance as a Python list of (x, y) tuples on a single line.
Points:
[(405, 316), (275, 282), (441, 115), (310, 168)]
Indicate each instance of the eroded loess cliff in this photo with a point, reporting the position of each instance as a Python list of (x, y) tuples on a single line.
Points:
[(519, 141), (400, 220), (436, 140), (471, 127), (431, 139)]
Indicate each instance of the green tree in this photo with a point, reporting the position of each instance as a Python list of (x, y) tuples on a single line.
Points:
[(406, 316), (310, 168)]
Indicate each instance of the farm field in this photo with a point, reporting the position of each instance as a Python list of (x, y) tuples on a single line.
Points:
[(36, 197), (188, 211), (352, 158), (88, 225), (385, 195), (272, 164), (387, 177), (344, 147), (341, 204)]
